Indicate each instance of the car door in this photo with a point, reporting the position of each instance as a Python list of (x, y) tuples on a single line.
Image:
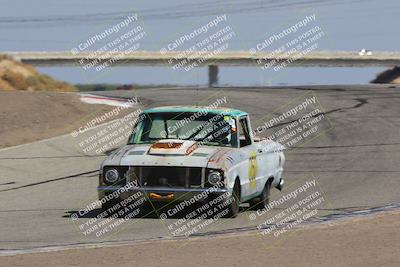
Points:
[(249, 171), (266, 162)]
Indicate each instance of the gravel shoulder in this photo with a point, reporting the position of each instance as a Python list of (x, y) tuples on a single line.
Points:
[(364, 241)]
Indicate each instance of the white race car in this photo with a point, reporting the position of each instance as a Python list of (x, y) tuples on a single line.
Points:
[(176, 153)]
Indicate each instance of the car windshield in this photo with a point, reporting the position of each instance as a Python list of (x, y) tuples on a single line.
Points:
[(207, 129)]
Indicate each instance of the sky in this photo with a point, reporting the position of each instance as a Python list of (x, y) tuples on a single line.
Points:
[(46, 25)]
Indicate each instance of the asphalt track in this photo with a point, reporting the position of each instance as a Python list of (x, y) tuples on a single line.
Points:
[(356, 163)]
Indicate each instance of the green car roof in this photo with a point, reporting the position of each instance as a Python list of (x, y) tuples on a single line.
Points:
[(182, 109)]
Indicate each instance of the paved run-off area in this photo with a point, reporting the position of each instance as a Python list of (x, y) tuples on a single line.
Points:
[(355, 162)]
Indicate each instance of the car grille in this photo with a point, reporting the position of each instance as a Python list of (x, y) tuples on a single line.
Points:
[(161, 176)]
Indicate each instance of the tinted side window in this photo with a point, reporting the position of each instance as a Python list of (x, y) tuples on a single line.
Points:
[(244, 134)]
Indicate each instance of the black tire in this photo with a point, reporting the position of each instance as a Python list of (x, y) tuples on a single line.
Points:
[(262, 201), (233, 207), (109, 204)]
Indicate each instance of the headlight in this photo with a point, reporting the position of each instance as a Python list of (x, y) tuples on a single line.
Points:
[(214, 177), (111, 176)]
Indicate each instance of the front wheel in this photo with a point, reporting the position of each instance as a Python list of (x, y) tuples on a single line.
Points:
[(110, 206), (233, 207), (262, 201)]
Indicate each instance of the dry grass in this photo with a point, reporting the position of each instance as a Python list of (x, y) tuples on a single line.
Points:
[(15, 75)]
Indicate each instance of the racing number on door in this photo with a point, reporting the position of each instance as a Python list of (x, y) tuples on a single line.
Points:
[(252, 169)]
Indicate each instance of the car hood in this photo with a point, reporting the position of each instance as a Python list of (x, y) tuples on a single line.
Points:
[(167, 154)]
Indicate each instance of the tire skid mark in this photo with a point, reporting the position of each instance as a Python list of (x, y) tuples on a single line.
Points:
[(53, 180)]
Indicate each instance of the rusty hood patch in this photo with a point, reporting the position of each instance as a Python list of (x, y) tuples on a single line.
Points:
[(173, 147)]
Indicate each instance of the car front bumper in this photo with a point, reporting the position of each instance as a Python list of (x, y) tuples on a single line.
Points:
[(164, 193)]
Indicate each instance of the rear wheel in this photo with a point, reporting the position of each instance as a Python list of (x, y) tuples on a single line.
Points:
[(262, 201)]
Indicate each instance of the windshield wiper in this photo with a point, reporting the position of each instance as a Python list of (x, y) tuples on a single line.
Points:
[(196, 133), (213, 132)]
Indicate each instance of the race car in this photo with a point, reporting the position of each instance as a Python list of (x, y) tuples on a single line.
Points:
[(178, 153)]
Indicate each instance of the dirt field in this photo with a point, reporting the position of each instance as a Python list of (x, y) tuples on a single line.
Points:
[(369, 241), (31, 116)]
